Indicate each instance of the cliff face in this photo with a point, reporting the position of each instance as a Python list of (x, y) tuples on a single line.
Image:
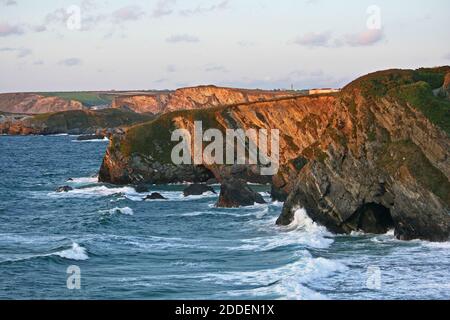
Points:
[(374, 157), (73, 122), (144, 152), (29, 103), (193, 98)]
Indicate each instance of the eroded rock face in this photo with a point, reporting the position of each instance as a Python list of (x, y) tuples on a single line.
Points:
[(235, 193), (371, 158), (193, 98), (29, 103), (386, 155)]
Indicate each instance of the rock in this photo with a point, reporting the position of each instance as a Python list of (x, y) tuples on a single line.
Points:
[(212, 181), (141, 188), (236, 193), (197, 190), (64, 189), (155, 196), (91, 137), (371, 157)]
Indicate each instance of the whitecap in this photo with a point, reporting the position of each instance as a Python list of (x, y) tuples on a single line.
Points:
[(287, 281), (83, 181), (97, 191), (75, 253), (126, 211)]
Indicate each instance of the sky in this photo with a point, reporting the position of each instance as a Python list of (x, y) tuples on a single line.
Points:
[(74, 45)]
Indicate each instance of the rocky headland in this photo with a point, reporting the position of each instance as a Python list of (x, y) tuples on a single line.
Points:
[(373, 157)]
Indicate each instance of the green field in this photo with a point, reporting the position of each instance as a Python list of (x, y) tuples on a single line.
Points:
[(88, 99)]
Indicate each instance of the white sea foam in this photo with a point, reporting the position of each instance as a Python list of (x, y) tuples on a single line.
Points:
[(83, 181), (93, 140), (287, 281), (436, 245), (126, 211), (75, 253), (97, 191)]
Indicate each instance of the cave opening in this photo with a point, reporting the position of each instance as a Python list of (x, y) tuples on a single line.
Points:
[(373, 218)]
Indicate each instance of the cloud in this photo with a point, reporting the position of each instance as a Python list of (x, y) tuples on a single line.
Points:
[(38, 63), (70, 62), (326, 39), (300, 79), (171, 68), (200, 10), (9, 2), (244, 43), (7, 29), (447, 56), (20, 52), (314, 39), (366, 38), (177, 38), (163, 8), (39, 28), (129, 13), (215, 68)]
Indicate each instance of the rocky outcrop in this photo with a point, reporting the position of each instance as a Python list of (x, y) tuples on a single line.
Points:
[(100, 122), (64, 189), (384, 165), (154, 196), (90, 137), (200, 97), (372, 157), (235, 193), (197, 190), (141, 188), (30, 103)]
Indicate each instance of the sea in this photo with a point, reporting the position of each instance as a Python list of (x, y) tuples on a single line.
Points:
[(100, 241)]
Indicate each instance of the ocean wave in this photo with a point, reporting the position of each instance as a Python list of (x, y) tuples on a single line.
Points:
[(75, 253), (287, 281), (126, 211), (97, 191), (83, 181)]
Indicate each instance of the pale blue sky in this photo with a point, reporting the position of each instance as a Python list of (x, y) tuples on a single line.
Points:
[(245, 43)]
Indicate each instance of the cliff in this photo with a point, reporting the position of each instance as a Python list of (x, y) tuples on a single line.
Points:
[(30, 103), (72, 122), (200, 97), (372, 157)]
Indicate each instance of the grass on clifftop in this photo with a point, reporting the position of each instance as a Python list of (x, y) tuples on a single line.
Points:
[(82, 119), (88, 99), (154, 138), (409, 86)]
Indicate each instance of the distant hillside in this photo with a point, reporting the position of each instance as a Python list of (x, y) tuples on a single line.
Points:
[(200, 97), (73, 122)]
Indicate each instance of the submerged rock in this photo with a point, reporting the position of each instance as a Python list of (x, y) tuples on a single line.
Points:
[(236, 193), (91, 137), (141, 188), (197, 190), (64, 189), (155, 196)]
